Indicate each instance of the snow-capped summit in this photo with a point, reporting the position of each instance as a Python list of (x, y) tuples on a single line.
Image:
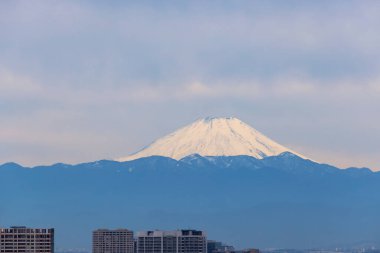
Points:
[(213, 136)]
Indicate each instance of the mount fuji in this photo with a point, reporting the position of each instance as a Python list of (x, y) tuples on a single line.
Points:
[(216, 174), (213, 136)]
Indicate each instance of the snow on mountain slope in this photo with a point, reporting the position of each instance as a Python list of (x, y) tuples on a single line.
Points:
[(213, 137)]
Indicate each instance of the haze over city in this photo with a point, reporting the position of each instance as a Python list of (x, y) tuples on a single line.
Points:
[(86, 80)]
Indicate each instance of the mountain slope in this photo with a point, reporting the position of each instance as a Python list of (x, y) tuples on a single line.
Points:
[(280, 201), (213, 137)]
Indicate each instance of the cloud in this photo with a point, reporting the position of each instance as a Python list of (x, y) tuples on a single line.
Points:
[(130, 43), (374, 85), (75, 70), (14, 85), (291, 85), (65, 117)]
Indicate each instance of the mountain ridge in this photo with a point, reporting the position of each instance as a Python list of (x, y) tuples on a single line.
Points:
[(221, 161), (256, 199)]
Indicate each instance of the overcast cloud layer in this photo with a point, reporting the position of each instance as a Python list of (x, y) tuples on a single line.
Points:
[(87, 80)]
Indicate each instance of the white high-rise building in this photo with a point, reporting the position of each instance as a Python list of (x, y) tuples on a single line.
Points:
[(179, 241)]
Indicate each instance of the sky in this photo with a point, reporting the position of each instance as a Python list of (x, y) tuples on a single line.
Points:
[(88, 80)]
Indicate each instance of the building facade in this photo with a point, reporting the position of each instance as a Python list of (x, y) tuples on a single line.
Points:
[(179, 241), (219, 247), (112, 241), (26, 240)]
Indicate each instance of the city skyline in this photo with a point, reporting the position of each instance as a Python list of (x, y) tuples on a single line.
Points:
[(118, 240), (124, 240)]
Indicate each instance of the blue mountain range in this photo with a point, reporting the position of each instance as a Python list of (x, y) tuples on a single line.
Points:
[(282, 201)]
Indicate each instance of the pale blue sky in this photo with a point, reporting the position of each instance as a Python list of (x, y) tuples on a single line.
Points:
[(87, 80)]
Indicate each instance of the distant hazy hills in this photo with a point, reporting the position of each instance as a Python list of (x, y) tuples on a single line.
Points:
[(278, 201)]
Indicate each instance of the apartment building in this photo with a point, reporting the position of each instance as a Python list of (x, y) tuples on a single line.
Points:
[(179, 241), (112, 241), (26, 240)]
